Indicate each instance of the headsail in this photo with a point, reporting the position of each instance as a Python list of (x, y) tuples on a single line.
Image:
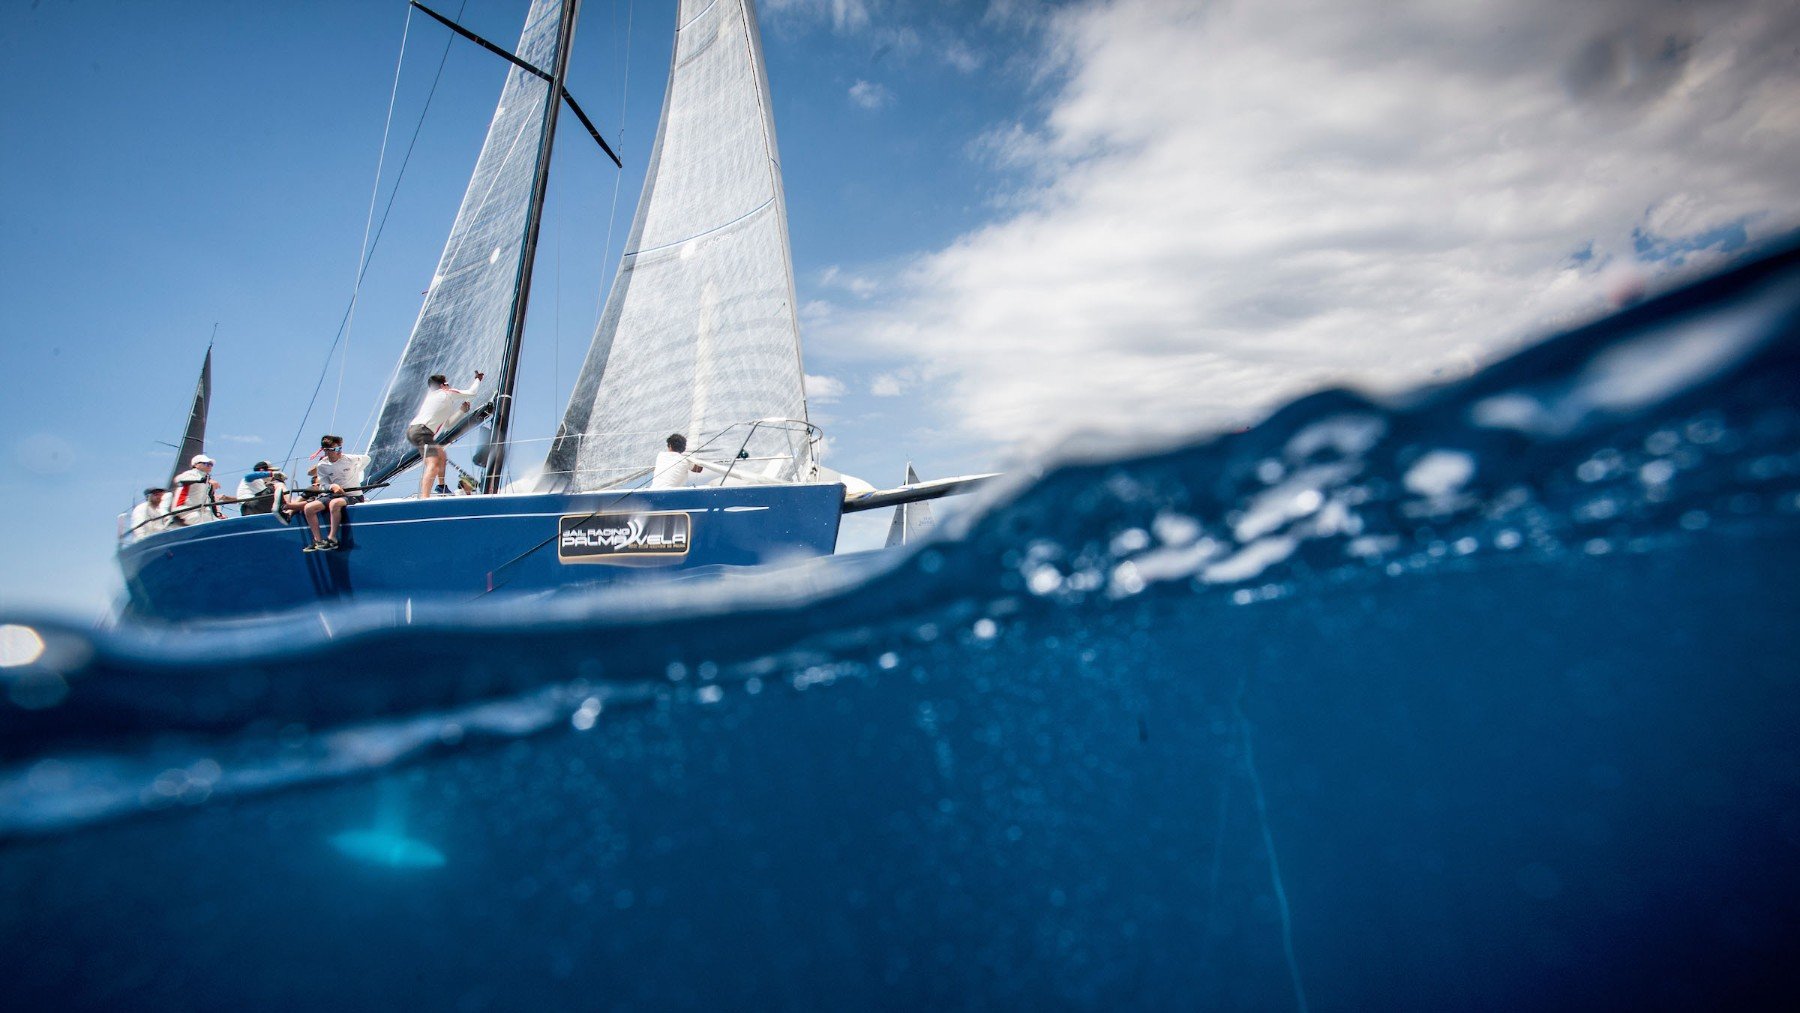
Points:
[(193, 440), (462, 326), (700, 332)]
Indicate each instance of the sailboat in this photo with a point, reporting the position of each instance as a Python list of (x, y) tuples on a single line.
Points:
[(699, 335), (912, 519)]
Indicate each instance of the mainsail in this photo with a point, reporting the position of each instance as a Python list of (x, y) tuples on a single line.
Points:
[(699, 334), (462, 326), (193, 440)]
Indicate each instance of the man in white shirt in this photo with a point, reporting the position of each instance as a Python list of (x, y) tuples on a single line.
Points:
[(147, 517), (339, 479), (438, 410), (259, 489), (673, 469), (196, 499)]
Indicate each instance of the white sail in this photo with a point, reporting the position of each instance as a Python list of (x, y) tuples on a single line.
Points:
[(699, 335), (912, 519), (462, 325)]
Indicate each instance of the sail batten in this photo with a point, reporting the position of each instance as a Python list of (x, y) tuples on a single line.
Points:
[(700, 332)]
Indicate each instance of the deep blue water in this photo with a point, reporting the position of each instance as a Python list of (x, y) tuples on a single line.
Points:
[(1485, 698)]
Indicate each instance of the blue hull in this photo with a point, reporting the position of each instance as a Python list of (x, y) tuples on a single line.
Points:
[(476, 545)]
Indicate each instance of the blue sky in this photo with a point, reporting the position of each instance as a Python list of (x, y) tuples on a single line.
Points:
[(1009, 219)]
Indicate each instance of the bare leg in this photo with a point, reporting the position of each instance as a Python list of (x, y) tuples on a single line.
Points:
[(434, 471), (313, 508), (337, 516)]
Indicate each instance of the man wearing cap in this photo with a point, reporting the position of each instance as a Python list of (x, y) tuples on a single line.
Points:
[(259, 489), (147, 518), (196, 494), (338, 479)]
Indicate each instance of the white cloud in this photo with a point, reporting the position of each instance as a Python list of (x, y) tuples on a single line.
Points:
[(823, 389), (870, 95), (857, 285), (961, 57), (844, 15), (1228, 204), (887, 385), (815, 311), (231, 438)]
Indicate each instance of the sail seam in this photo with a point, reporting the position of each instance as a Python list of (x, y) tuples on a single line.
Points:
[(698, 16), (753, 212)]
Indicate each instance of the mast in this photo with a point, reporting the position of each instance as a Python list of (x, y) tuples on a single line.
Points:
[(515, 330)]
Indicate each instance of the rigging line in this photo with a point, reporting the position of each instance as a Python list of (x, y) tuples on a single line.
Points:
[(612, 214), (751, 45), (450, 254), (379, 229), (556, 338), (1268, 836), (362, 258)]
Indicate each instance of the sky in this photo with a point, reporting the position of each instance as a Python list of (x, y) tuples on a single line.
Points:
[(1011, 221)]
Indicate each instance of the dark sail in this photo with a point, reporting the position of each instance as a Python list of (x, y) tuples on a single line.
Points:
[(194, 440)]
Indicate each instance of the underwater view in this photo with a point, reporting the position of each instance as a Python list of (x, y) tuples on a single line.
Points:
[(1482, 698)]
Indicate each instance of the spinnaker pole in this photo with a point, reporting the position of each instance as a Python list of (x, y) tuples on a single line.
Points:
[(534, 216)]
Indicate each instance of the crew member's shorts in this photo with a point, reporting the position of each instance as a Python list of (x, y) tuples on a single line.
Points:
[(421, 437)]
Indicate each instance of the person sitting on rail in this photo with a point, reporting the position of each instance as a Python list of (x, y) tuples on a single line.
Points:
[(672, 469), (438, 410), (196, 499), (338, 480)]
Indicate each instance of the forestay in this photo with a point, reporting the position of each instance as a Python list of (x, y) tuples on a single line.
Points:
[(462, 326), (699, 334)]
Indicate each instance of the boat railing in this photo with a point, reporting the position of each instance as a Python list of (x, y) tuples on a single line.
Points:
[(726, 453), (128, 532)]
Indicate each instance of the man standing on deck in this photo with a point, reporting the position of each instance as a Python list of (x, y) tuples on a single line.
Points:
[(196, 494), (339, 477), (438, 410)]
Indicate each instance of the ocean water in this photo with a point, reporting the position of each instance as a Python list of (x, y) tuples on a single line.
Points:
[(1484, 698)]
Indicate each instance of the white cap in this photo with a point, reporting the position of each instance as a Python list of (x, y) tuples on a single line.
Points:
[(200, 459)]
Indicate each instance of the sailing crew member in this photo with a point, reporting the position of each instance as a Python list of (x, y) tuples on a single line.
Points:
[(339, 479), (147, 518), (259, 489), (672, 468), (438, 410), (196, 498)]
